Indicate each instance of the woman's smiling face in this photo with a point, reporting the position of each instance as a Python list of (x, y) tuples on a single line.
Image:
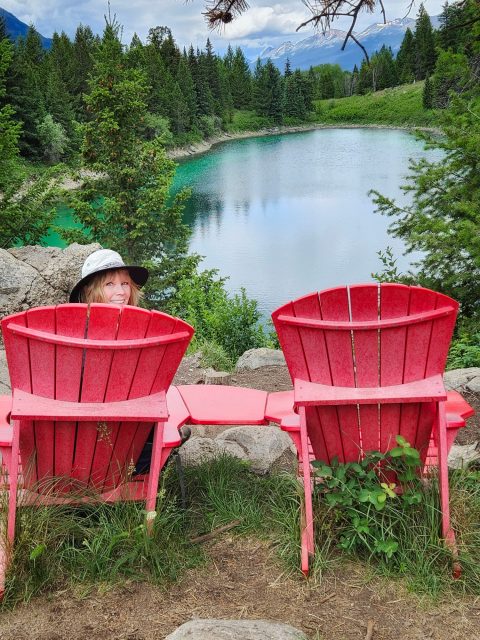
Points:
[(117, 287)]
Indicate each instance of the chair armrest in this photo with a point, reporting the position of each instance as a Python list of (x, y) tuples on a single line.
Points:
[(312, 393), (6, 431), (27, 406)]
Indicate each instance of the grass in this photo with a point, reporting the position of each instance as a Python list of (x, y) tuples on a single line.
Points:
[(67, 547), (399, 106)]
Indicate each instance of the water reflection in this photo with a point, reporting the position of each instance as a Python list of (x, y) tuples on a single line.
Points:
[(285, 215)]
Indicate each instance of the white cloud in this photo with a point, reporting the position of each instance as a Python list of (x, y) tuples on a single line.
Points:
[(259, 20)]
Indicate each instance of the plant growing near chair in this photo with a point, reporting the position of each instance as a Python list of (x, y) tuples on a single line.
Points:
[(361, 495)]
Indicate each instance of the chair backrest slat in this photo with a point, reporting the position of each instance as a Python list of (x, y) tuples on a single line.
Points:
[(71, 321), (364, 307)]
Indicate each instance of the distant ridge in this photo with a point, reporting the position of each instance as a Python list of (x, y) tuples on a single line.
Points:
[(18, 29), (326, 49)]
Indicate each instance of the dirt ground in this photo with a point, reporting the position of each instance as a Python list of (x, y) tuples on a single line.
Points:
[(244, 580)]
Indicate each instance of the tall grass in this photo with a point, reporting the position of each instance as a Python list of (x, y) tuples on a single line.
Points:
[(399, 106), (58, 546), (66, 546)]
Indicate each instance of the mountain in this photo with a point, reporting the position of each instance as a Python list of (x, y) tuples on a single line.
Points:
[(18, 29), (327, 48)]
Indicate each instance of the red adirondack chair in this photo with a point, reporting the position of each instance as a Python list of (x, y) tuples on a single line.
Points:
[(367, 364), (88, 384)]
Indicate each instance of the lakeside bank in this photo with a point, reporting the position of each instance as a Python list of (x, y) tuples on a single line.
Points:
[(188, 151)]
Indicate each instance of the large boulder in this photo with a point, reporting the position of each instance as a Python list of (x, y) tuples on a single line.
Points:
[(211, 629), (257, 358), (36, 276), (266, 448), (461, 379)]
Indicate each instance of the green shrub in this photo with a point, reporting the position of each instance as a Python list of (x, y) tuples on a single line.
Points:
[(230, 321), (465, 351), (215, 356)]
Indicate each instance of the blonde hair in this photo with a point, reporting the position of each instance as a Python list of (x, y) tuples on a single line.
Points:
[(93, 290)]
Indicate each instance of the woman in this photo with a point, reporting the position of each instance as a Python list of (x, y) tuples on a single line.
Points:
[(106, 278)]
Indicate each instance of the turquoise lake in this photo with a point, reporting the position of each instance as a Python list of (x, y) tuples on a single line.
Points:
[(286, 215)]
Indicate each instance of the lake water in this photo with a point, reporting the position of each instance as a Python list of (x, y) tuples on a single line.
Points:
[(286, 215)]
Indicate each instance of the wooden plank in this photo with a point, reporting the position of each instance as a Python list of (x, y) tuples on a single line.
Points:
[(30, 407), (102, 325), (364, 307), (71, 321), (394, 302), (214, 404), (133, 323), (172, 357), (416, 357), (82, 343), (18, 358), (42, 364), (291, 344), (150, 359), (344, 441), (310, 393), (358, 325), (442, 331)]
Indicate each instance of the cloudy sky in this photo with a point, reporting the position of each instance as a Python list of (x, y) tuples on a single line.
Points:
[(267, 22)]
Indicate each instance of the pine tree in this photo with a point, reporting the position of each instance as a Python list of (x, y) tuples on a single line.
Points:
[(405, 60), (288, 69), (427, 95), (268, 91), (187, 87), (125, 205), (25, 201), (26, 91), (240, 79), (83, 47), (425, 55), (442, 219), (452, 76)]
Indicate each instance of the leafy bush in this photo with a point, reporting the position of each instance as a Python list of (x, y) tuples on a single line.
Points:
[(231, 322), (465, 351), (358, 492)]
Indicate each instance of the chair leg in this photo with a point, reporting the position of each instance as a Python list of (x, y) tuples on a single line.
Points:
[(7, 536), (308, 547), (159, 457), (447, 531)]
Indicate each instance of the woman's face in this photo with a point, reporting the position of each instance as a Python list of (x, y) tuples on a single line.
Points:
[(117, 287)]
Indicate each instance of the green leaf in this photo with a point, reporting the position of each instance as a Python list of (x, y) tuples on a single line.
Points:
[(38, 551)]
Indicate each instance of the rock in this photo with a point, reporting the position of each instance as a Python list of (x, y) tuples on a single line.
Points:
[(473, 385), (198, 450), (37, 276), (235, 630), (461, 455), (265, 448), (4, 377), (457, 379), (256, 358)]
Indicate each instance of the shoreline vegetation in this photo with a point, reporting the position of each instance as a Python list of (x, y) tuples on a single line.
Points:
[(395, 108)]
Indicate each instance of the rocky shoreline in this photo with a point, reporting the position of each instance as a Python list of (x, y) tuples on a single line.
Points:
[(181, 153)]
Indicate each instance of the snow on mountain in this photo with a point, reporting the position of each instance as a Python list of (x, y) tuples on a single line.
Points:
[(327, 48)]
